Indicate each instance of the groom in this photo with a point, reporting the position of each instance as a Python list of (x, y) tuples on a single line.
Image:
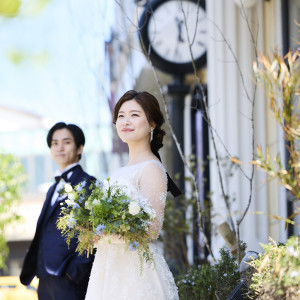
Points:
[(63, 274)]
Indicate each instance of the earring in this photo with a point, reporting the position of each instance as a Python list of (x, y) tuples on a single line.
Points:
[(151, 134)]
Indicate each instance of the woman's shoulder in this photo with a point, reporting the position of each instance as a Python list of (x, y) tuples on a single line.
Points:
[(153, 169), (148, 168), (150, 163)]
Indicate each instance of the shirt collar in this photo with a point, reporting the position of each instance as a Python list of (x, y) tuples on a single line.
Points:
[(58, 172)]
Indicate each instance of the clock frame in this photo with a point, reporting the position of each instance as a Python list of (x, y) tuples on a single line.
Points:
[(162, 60)]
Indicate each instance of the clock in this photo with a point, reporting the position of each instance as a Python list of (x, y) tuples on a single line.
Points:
[(163, 34)]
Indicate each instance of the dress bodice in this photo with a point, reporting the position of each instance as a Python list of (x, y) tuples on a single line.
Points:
[(146, 181)]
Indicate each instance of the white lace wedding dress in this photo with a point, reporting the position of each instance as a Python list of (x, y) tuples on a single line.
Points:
[(116, 270)]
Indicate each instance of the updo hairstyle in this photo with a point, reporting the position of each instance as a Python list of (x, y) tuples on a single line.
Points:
[(153, 113)]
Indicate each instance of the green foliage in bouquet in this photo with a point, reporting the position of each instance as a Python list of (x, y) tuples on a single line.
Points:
[(277, 273), (11, 177), (103, 209)]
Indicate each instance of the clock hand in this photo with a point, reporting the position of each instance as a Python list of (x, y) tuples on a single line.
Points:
[(179, 26), (176, 54)]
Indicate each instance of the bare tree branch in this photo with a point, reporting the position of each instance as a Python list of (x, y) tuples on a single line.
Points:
[(208, 120), (213, 132), (168, 121)]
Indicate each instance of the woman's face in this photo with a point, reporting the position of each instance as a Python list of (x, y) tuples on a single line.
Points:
[(132, 123)]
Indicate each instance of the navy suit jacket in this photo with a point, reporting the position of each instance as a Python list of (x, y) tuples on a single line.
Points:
[(57, 258)]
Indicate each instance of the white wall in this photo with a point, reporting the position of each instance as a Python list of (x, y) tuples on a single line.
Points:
[(231, 89)]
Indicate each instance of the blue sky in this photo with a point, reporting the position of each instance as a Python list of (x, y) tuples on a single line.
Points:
[(52, 62)]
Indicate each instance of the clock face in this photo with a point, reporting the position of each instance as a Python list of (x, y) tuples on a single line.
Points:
[(168, 32), (168, 28)]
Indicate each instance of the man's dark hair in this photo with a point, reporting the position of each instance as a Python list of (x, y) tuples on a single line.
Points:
[(77, 133)]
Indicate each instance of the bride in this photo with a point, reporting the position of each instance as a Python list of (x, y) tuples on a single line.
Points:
[(116, 269)]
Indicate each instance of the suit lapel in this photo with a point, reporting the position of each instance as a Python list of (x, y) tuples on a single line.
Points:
[(47, 204), (73, 180)]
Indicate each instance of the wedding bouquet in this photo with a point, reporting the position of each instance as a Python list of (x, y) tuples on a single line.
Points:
[(106, 208)]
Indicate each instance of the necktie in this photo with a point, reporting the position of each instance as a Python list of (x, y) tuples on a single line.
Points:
[(64, 175)]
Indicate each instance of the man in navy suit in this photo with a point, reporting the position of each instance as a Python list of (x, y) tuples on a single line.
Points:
[(63, 273)]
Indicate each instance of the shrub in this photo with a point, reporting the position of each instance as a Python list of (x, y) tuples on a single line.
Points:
[(198, 283), (207, 282), (226, 274), (11, 177), (277, 273)]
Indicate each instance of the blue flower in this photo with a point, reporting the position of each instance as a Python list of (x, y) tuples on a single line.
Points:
[(80, 199), (79, 188), (100, 228), (133, 246), (99, 183), (76, 205), (71, 222)]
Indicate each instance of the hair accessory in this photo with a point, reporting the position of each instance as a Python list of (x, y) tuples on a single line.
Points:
[(151, 134), (172, 187)]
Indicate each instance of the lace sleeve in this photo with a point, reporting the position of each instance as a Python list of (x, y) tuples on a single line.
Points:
[(153, 187)]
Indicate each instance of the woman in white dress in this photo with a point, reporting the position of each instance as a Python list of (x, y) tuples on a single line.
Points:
[(116, 269)]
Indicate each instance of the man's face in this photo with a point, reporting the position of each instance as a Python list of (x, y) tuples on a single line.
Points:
[(63, 148)]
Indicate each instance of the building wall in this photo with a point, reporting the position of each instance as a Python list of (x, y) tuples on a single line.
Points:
[(234, 37), (231, 90)]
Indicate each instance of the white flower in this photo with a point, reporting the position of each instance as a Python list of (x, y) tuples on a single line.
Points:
[(130, 191), (134, 208), (71, 196), (70, 202), (105, 188), (150, 211), (127, 188), (88, 205), (71, 222), (95, 202), (68, 188), (292, 251), (294, 274), (143, 202)]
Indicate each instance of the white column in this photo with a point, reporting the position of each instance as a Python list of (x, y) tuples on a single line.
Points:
[(187, 185), (230, 113)]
